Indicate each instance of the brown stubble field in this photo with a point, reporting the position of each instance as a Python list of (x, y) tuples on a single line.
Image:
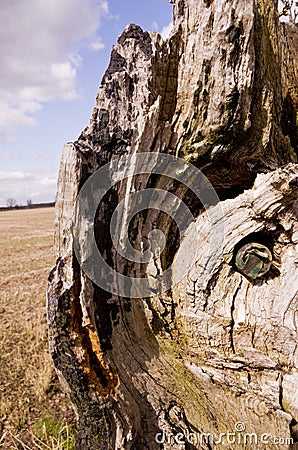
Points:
[(34, 413)]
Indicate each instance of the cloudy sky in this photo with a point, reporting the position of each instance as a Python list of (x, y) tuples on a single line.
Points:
[(53, 54)]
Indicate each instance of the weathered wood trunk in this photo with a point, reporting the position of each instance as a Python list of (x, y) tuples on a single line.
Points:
[(215, 352)]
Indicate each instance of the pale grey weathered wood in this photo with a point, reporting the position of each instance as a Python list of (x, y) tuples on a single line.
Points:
[(218, 349)]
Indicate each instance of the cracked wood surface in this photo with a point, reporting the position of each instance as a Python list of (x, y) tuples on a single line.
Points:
[(219, 348), (242, 326)]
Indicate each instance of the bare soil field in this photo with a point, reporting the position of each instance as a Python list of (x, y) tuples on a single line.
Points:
[(34, 413)]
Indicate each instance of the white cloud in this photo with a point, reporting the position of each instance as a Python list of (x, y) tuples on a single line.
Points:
[(40, 43), (49, 181), (165, 32), (96, 44), (13, 176), (105, 7), (154, 26), (22, 186), (34, 194)]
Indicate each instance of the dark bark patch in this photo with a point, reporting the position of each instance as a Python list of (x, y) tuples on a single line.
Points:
[(130, 84), (143, 38), (102, 119), (112, 90), (117, 64), (232, 103), (289, 121), (234, 36), (197, 93), (207, 69), (223, 55), (181, 7)]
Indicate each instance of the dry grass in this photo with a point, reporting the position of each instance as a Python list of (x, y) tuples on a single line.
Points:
[(32, 407)]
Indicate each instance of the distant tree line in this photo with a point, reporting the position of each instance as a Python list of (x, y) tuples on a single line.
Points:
[(12, 204)]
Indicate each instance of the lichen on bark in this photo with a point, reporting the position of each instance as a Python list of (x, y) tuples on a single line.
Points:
[(221, 92)]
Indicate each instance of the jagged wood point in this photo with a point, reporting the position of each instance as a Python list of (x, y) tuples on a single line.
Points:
[(222, 93)]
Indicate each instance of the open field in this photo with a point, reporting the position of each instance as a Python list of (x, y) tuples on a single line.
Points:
[(34, 413)]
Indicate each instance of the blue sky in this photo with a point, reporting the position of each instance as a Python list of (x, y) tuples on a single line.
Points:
[(52, 57)]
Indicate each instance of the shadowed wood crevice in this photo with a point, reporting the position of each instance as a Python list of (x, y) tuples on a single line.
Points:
[(219, 347)]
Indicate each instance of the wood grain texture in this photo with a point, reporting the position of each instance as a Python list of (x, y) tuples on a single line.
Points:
[(218, 348)]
